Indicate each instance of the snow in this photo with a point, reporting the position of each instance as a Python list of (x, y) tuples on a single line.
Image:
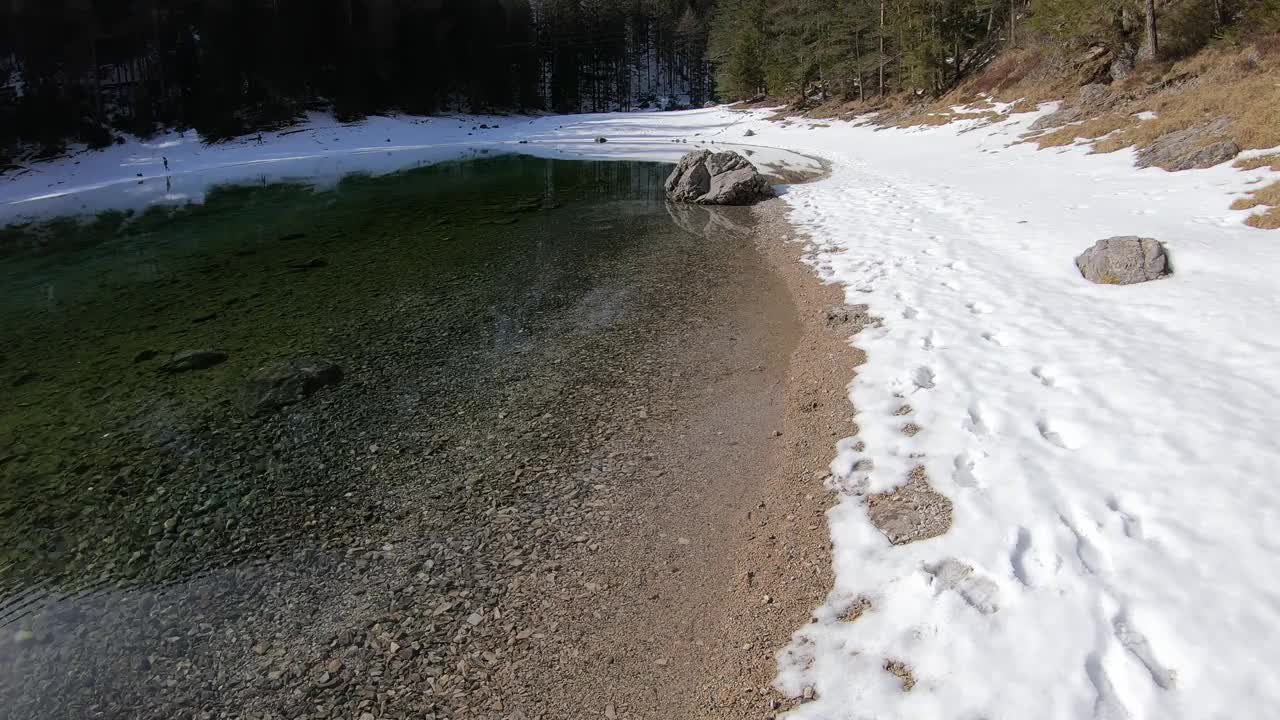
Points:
[(320, 151), (1107, 449)]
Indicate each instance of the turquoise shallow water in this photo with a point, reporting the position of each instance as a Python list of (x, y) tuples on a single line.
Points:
[(113, 472)]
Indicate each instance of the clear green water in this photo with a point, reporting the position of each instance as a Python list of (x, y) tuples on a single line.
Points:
[(113, 473)]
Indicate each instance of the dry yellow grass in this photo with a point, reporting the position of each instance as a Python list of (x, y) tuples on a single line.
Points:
[(1268, 196), (945, 117), (1269, 220), (1091, 129), (1271, 160), (1238, 84), (1024, 105)]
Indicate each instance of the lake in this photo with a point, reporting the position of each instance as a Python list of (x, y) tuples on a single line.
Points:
[(172, 548)]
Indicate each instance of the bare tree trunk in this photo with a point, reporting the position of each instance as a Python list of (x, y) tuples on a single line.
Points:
[(1013, 23), (1150, 43), (881, 59), (857, 48)]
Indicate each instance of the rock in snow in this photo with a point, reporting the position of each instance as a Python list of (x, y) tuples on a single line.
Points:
[(287, 382), (724, 178), (1124, 261)]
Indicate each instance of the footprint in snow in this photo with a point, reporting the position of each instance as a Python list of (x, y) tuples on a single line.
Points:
[(979, 308), (1132, 525), (1107, 705), (1064, 435), (980, 593), (1046, 376), (1031, 564), (965, 467), (923, 378), (974, 422), (1094, 560), (1139, 647), (994, 339), (1018, 558)]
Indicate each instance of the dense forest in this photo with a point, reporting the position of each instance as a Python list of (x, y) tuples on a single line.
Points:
[(87, 70), (79, 69), (853, 49)]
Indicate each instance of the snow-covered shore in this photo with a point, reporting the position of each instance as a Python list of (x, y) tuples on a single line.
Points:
[(176, 168), (1108, 450)]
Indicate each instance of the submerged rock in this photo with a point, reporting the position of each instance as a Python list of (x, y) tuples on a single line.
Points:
[(286, 382), (1124, 260), (724, 178), (308, 264), (188, 360)]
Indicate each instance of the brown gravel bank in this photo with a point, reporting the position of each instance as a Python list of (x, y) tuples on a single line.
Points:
[(711, 563)]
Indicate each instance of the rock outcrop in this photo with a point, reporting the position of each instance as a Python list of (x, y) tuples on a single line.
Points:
[(1093, 100), (724, 178), (1193, 148), (1124, 260), (286, 382)]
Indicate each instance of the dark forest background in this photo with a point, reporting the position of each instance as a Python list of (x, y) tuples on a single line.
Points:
[(87, 70), (79, 69)]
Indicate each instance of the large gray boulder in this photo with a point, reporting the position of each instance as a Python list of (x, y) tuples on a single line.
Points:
[(723, 178), (1124, 260), (286, 382)]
